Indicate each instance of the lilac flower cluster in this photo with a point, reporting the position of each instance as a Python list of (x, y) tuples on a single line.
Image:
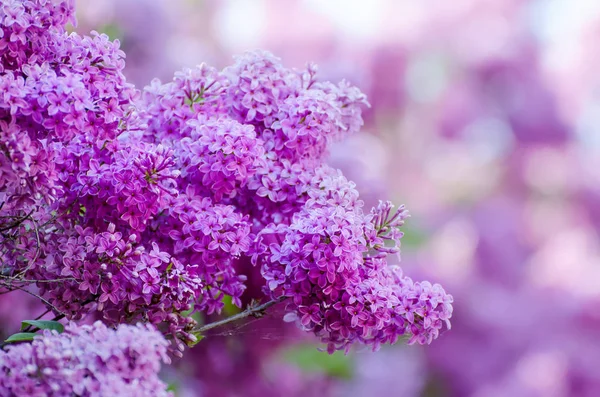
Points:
[(332, 261), (144, 206), (26, 29), (297, 118), (88, 360), (169, 107), (135, 184), (222, 155), (63, 96), (210, 237), (127, 282), (77, 191)]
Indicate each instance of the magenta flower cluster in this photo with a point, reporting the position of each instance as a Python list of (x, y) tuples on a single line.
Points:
[(27, 30), (87, 360), (332, 261), (143, 206)]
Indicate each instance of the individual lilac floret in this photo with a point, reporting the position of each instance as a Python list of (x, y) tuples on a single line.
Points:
[(88, 360)]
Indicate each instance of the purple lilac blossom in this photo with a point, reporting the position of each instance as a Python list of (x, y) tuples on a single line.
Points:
[(332, 261), (294, 118), (141, 206), (87, 360)]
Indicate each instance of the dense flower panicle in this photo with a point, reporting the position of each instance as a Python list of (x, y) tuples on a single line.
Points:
[(65, 177), (26, 28), (286, 118), (50, 111), (136, 183), (114, 274), (211, 235), (99, 64), (26, 175), (278, 190), (259, 83), (349, 100), (298, 116), (88, 360), (332, 261), (168, 107), (305, 124), (220, 156)]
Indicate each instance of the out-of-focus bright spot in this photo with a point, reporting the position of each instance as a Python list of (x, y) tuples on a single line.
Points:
[(544, 373), (474, 46), (560, 25), (570, 261), (177, 51), (491, 137), (490, 306), (426, 77), (453, 249), (412, 15), (548, 170), (588, 128), (239, 24), (366, 149), (588, 133), (538, 373), (560, 20), (96, 12), (461, 171), (539, 212), (356, 19)]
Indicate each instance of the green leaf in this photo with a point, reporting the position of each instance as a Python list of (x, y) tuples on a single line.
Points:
[(43, 324), (309, 359), (20, 337)]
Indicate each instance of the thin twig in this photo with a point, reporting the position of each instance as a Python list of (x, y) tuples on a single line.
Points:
[(250, 311), (40, 298), (16, 223), (24, 280), (56, 318), (48, 310)]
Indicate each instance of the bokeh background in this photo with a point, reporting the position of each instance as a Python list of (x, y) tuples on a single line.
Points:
[(485, 122)]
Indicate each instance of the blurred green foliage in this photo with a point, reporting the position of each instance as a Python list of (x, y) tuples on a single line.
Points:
[(113, 31), (309, 359)]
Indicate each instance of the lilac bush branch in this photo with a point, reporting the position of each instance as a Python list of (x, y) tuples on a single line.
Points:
[(252, 310)]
